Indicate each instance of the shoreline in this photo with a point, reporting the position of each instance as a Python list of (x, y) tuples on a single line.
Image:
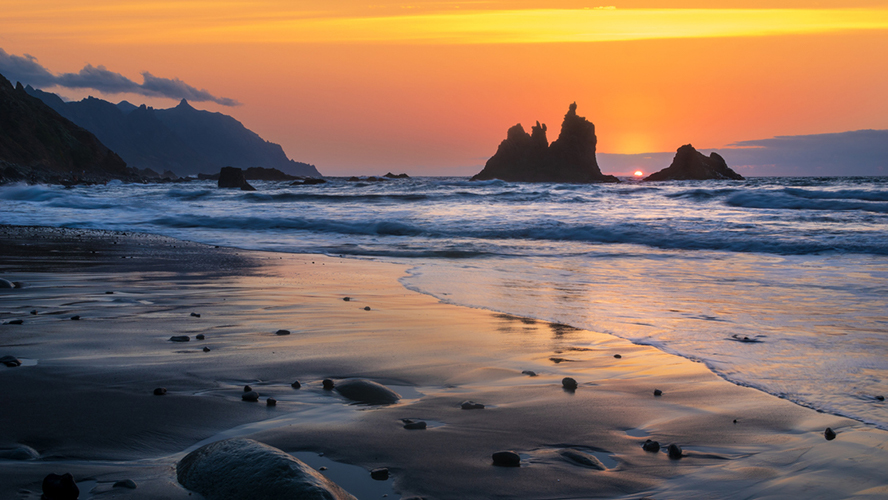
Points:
[(435, 355)]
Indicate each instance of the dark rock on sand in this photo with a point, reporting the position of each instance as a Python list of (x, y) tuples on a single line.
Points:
[(180, 338), (20, 452), (346, 299), (11, 361), (471, 405), (5, 283), (651, 446), (160, 391), (247, 388), (75, 318), (243, 468), (690, 164), (583, 459), (15, 322), (206, 349), (658, 392), (674, 451), (126, 483), (200, 336), (296, 384), (195, 315), (233, 177), (829, 434), (380, 474), (328, 384), (524, 157), (618, 356), (34, 312), (366, 308), (414, 424), (282, 332), (271, 402), (60, 487), (569, 384), (529, 373), (506, 459), (880, 398), (251, 396), (367, 392)]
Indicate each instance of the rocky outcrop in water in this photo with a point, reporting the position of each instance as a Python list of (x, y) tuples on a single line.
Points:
[(690, 164), (524, 157), (233, 177)]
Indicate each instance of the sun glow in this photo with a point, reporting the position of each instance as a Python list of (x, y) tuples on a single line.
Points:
[(638, 173)]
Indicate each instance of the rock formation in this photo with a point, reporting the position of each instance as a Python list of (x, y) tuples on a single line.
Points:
[(524, 157), (690, 164), (233, 177)]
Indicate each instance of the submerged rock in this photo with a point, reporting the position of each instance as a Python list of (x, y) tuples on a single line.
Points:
[(367, 392), (529, 373), (471, 405), (690, 164), (233, 177), (524, 157), (506, 459), (125, 483), (244, 468), (584, 459), (414, 424), (60, 487), (10, 361)]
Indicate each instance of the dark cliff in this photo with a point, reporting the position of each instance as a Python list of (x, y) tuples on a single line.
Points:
[(524, 157), (690, 164)]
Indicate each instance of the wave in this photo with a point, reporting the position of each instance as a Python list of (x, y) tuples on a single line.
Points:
[(843, 194), (36, 192), (381, 228), (784, 201)]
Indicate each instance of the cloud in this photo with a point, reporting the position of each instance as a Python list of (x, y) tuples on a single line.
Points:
[(27, 70)]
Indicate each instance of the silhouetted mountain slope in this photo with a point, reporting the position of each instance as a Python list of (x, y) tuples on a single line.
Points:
[(40, 145), (182, 139)]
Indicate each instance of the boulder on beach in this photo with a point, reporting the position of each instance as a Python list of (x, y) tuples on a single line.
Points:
[(582, 459), (244, 468), (6, 283), (60, 487), (690, 164), (506, 459), (367, 392), (233, 177)]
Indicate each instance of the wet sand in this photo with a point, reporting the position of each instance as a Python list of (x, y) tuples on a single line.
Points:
[(83, 398)]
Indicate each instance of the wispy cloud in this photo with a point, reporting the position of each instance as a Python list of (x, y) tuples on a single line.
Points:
[(27, 70)]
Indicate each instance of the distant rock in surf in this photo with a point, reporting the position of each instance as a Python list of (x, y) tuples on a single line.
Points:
[(399, 176), (524, 157), (690, 164), (233, 177)]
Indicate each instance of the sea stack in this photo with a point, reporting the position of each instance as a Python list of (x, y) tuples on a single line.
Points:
[(524, 157), (233, 177), (690, 164)]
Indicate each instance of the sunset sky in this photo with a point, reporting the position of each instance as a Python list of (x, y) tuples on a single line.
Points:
[(430, 87)]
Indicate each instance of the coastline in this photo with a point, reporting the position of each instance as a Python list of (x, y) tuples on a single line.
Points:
[(99, 372)]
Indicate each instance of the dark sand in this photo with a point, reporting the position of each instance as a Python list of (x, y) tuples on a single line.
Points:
[(83, 397)]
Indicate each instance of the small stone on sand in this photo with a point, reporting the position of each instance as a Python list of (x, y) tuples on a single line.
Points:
[(75, 318), (200, 336), (195, 315), (206, 349), (34, 312), (271, 402), (109, 293), (380, 474), (56, 487), (6, 284), (414, 424), (11, 361), (829, 434), (180, 338), (328, 384), (296, 384), (251, 396), (471, 405), (651, 446), (126, 483), (506, 459), (367, 308), (160, 391), (529, 373), (14, 322), (346, 299), (880, 398), (247, 388), (282, 332), (569, 384), (674, 451), (658, 392), (618, 356)]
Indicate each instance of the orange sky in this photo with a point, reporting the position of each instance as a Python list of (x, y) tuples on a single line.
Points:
[(431, 87)]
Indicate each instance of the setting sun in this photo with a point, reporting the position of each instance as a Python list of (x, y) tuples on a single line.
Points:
[(638, 173)]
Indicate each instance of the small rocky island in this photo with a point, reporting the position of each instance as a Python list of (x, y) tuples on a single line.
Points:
[(690, 164), (524, 157)]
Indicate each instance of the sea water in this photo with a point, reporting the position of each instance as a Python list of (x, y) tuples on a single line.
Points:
[(775, 283)]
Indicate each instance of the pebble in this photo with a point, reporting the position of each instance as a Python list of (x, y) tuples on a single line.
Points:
[(160, 391), (251, 396), (11, 361), (56, 487), (414, 424), (109, 293), (14, 322), (328, 384), (126, 483), (658, 392), (296, 384), (282, 332), (618, 356), (367, 308), (346, 299), (180, 338), (471, 405), (200, 336), (247, 388), (569, 384), (829, 434), (651, 446), (195, 315), (674, 451), (322, 469), (206, 349), (75, 318), (34, 312), (380, 474), (6, 283), (529, 373), (271, 402), (506, 459), (880, 398)]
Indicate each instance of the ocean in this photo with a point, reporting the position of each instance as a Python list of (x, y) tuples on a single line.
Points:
[(780, 284)]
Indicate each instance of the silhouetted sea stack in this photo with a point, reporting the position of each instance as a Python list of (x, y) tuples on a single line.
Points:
[(524, 157), (233, 177), (690, 164)]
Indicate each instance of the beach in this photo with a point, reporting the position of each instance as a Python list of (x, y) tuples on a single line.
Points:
[(83, 397)]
